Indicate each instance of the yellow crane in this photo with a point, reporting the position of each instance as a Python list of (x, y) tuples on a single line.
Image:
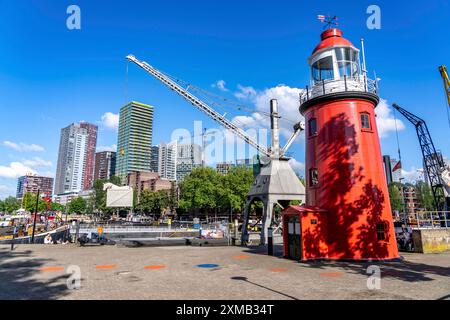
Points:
[(446, 79)]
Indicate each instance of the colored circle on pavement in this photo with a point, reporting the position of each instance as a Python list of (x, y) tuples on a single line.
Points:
[(241, 257), (332, 274), (279, 270), (154, 267), (110, 267), (52, 269), (208, 266)]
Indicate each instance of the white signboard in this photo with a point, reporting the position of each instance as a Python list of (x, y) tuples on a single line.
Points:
[(119, 198)]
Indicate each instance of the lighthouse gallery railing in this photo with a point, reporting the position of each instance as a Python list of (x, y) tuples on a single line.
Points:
[(334, 86)]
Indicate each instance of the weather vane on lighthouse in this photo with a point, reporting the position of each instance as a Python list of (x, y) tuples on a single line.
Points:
[(330, 22)]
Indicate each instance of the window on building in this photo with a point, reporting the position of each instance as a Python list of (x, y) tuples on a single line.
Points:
[(313, 127), (323, 69), (381, 231), (365, 121), (313, 177)]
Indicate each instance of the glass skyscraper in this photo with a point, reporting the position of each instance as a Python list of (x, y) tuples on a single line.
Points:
[(75, 171), (135, 137)]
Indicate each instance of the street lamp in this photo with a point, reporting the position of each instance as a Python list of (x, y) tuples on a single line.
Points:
[(35, 215)]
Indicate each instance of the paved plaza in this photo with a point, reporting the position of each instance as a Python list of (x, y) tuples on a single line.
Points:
[(213, 273)]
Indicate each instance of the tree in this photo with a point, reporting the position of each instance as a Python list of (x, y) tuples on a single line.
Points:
[(29, 203), (396, 197), (98, 197), (78, 206), (57, 207), (200, 190), (154, 202), (424, 195), (234, 188), (11, 204)]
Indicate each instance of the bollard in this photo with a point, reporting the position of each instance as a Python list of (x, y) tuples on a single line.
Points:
[(13, 238), (270, 242), (236, 230)]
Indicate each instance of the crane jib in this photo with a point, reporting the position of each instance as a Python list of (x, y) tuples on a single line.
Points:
[(196, 102)]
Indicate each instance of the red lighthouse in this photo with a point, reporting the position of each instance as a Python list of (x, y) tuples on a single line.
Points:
[(348, 213)]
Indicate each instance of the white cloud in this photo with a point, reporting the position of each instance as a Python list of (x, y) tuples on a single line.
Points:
[(7, 191), (413, 175), (297, 166), (110, 120), (386, 121), (15, 170), (288, 104), (245, 92), (107, 148), (37, 162), (49, 174), (23, 147), (221, 85)]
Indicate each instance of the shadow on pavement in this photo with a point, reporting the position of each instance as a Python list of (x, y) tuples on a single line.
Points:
[(19, 278), (244, 279), (399, 270)]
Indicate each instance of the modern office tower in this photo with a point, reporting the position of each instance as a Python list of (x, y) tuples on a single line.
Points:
[(105, 165), (91, 146), (224, 168), (73, 172), (189, 157), (32, 183), (167, 165), (154, 162), (134, 143), (388, 169)]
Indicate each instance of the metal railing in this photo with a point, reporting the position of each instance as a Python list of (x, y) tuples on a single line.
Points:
[(342, 85), (430, 220)]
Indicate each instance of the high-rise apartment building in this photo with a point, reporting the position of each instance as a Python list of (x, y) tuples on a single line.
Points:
[(189, 157), (167, 162), (154, 161), (224, 168), (91, 147), (33, 183), (75, 171), (246, 163), (105, 165), (134, 143)]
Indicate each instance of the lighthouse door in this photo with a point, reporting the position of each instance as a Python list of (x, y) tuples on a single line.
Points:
[(294, 238)]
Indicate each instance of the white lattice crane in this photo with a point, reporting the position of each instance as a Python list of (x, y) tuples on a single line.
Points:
[(216, 116), (277, 184)]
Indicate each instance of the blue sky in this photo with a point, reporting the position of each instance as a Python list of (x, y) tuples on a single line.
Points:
[(51, 76)]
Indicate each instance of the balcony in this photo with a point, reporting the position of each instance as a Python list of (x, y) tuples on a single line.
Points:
[(347, 84)]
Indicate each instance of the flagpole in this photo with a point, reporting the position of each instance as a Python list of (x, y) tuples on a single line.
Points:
[(398, 142)]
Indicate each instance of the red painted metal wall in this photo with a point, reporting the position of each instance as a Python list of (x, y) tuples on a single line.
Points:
[(352, 185), (314, 232)]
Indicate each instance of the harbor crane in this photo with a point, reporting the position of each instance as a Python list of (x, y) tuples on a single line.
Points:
[(437, 171), (277, 183), (446, 79)]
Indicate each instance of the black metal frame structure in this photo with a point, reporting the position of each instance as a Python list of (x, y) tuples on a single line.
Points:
[(433, 160)]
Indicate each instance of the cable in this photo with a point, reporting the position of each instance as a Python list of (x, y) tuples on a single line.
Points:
[(232, 104)]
